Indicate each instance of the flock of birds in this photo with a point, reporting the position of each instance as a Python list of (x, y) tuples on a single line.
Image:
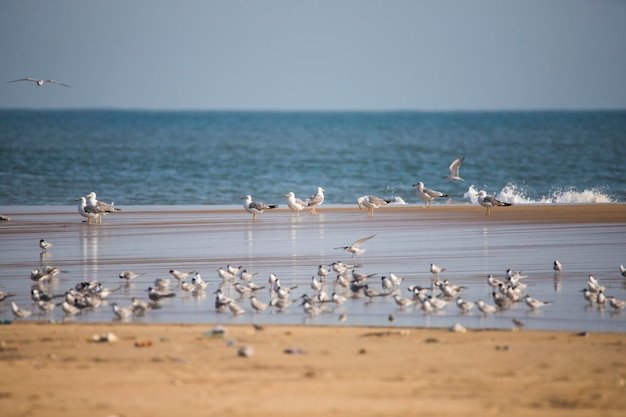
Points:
[(371, 202), (238, 293)]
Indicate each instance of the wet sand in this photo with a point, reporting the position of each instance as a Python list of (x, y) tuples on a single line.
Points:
[(343, 369), (166, 370)]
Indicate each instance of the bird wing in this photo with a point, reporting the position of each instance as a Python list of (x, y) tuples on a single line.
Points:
[(434, 193), (454, 166), (257, 205), (56, 82), (360, 241), (315, 199), (23, 79)]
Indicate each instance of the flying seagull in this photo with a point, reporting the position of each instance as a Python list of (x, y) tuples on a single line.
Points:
[(454, 170), (39, 82)]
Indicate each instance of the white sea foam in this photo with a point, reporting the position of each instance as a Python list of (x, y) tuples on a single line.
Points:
[(515, 194)]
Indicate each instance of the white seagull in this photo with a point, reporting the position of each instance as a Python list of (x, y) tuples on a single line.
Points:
[(82, 205), (255, 207), (295, 204), (371, 202), (488, 202), (427, 194), (454, 170), (354, 248), (316, 199), (100, 208), (39, 82)]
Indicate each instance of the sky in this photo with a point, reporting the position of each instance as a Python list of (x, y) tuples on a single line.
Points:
[(321, 55)]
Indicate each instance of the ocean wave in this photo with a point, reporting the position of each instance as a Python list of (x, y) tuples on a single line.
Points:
[(516, 194)]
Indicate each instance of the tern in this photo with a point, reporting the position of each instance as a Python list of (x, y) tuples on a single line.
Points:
[(534, 303), (18, 312), (45, 245), (39, 82), (128, 275), (354, 248)]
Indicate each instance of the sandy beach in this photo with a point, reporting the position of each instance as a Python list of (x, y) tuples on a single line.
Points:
[(165, 370), (169, 363)]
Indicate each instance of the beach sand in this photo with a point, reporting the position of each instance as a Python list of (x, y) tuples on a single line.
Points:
[(167, 370), (156, 369)]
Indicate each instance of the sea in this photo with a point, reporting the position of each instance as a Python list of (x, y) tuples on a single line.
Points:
[(213, 158), (171, 172)]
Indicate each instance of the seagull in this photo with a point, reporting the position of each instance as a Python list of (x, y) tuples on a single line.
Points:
[(97, 207), (488, 202), (316, 199), (558, 266), (454, 170), (82, 210), (295, 204), (45, 245), (354, 248), (19, 312), (128, 275), (534, 303), (255, 207), (39, 82), (427, 194), (371, 202)]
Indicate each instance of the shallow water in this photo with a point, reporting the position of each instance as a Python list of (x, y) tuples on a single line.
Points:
[(153, 240)]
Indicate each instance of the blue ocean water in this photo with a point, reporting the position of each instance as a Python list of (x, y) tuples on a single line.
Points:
[(214, 158)]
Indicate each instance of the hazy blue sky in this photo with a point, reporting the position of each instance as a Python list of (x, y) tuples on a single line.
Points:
[(315, 54)]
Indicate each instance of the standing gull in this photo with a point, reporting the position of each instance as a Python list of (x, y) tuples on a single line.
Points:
[(82, 205), (295, 204), (354, 248), (371, 202), (454, 170), (488, 202), (427, 194), (97, 207), (255, 207), (39, 82), (315, 200)]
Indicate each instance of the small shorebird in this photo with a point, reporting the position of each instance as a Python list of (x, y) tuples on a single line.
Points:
[(488, 202), (256, 207), (39, 82), (19, 312), (45, 245), (454, 170), (427, 194), (354, 248), (128, 275), (534, 303), (181, 276)]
